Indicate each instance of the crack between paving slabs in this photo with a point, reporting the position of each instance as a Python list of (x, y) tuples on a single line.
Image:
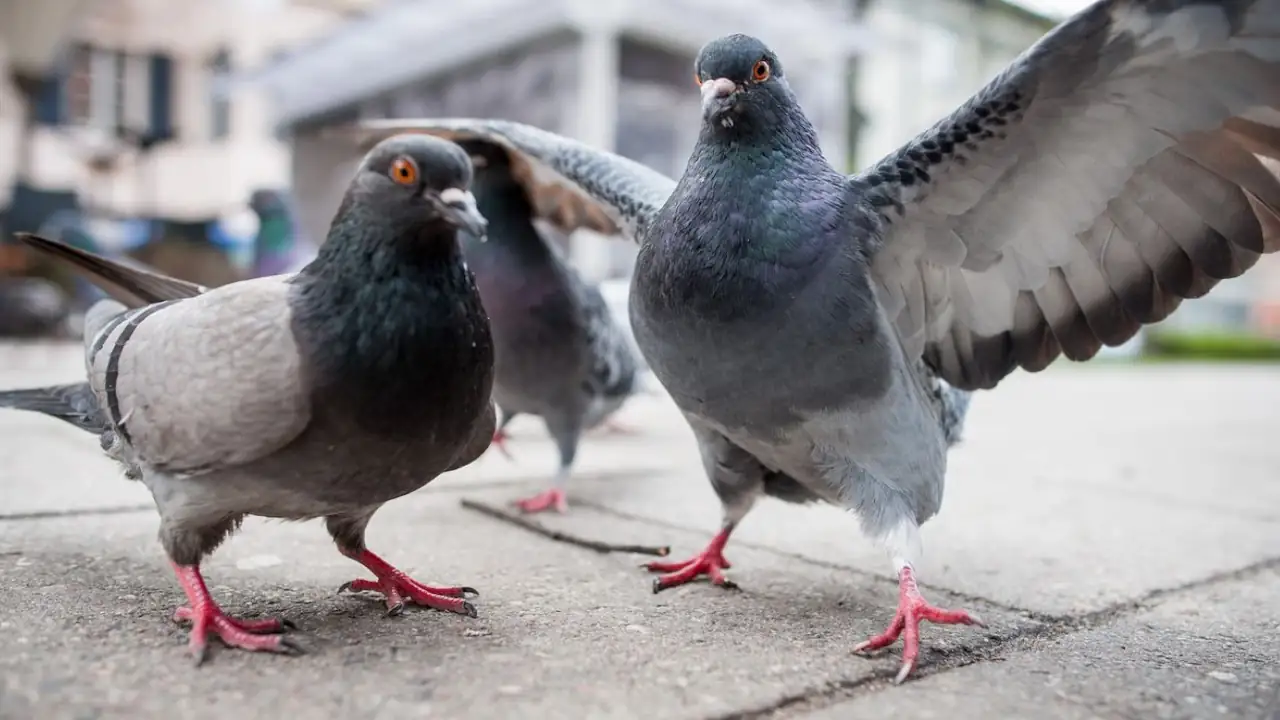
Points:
[(79, 512), (965, 655)]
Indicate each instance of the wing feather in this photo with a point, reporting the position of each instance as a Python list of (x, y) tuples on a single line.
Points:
[(1118, 167), (572, 185)]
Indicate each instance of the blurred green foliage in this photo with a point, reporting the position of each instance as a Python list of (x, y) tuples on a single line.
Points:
[(1217, 345)]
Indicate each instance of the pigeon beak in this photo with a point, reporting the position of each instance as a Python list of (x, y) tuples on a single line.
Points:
[(459, 209), (717, 94)]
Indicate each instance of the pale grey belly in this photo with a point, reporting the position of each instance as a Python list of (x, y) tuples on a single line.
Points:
[(892, 441), (312, 478)]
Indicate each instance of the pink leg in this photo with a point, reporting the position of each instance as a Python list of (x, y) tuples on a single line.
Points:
[(709, 562), (205, 616), (613, 427), (500, 441), (912, 608), (551, 499), (400, 589)]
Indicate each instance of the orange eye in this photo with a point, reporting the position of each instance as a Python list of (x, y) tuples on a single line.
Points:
[(404, 171), (760, 72), (697, 79)]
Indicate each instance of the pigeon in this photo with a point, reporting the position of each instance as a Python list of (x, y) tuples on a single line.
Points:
[(278, 244), (823, 333), (560, 354), (320, 394), (32, 307)]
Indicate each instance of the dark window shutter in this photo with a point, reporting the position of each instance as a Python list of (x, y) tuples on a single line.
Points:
[(120, 94), (50, 101), (220, 103), (161, 96)]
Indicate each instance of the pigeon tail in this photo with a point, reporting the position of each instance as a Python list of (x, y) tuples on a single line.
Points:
[(131, 284), (74, 403)]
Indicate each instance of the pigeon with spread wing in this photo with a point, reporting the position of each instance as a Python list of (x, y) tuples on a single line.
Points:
[(822, 332)]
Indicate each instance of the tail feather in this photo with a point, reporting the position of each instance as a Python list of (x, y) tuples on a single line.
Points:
[(133, 286), (74, 403)]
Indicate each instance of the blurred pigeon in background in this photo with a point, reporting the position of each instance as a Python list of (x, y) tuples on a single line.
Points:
[(279, 244), (560, 354), (821, 331), (32, 307), (321, 394)]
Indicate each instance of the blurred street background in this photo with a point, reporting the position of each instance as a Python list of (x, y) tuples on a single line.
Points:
[(187, 135)]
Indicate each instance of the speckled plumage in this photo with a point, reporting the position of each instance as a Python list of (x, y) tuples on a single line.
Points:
[(320, 394), (827, 329)]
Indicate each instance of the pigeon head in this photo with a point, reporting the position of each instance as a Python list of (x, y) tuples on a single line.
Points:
[(742, 82), (415, 178)]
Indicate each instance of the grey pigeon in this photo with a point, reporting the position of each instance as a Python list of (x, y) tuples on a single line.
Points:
[(560, 354), (821, 332), (32, 307), (321, 394)]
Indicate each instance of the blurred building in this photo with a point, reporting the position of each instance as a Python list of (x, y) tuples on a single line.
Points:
[(127, 131), (925, 58), (615, 74)]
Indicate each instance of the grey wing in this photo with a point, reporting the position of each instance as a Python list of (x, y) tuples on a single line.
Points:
[(571, 184), (131, 284), (214, 380), (613, 363), (1120, 165)]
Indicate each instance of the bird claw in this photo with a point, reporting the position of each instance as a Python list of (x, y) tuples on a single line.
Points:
[(402, 590), (262, 635), (710, 562), (500, 441), (553, 499), (912, 610)]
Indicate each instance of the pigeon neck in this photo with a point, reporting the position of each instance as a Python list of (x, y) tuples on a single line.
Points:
[(778, 128), (394, 328)]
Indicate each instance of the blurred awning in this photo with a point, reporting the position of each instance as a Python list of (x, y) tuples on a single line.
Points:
[(406, 40), (33, 31)]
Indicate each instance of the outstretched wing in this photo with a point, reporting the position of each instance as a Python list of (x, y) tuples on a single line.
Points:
[(570, 184), (1110, 172)]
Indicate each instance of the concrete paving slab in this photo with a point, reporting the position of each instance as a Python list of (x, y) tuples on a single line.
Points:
[(1074, 490), (562, 632), (1213, 652)]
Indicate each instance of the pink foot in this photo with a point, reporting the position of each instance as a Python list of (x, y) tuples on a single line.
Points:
[(399, 589), (912, 608), (612, 427), (499, 441), (553, 498), (205, 616), (709, 562)]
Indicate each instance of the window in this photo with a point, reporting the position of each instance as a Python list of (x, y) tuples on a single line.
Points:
[(133, 111), (124, 94), (219, 95)]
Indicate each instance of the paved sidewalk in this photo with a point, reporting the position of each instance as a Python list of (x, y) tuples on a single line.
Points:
[(1118, 527)]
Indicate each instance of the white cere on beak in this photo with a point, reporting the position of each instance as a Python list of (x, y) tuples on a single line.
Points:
[(459, 198)]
